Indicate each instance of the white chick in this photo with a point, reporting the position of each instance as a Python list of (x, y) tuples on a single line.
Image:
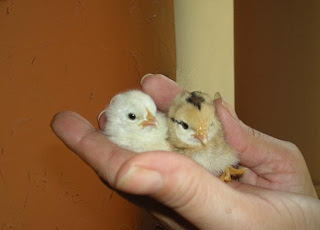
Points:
[(195, 130), (134, 123)]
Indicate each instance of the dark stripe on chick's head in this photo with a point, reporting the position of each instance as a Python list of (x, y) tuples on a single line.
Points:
[(195, 99)]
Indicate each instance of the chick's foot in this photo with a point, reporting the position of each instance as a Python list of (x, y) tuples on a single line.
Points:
[(226, 176)]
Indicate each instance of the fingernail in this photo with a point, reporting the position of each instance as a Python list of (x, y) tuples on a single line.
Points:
[(140, 181), (145, 76), (217, 96), (100, 114), (164, 77), (102, 120), (226, 106)]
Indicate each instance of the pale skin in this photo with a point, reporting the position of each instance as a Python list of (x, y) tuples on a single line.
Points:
[(276, 192)]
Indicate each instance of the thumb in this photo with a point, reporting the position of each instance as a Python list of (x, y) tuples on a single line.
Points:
[(273, 163), (254, 148), (183, 186)]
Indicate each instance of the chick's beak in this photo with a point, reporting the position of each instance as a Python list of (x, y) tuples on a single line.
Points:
[(150, 121), (201, 135)]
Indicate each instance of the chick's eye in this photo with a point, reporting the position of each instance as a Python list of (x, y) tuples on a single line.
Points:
[(131, 116), (184, 125)]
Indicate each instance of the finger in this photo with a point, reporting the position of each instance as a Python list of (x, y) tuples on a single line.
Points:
[(277, 164), (102, 120), (162, 90), (174, 180), (92, 146), (249, 177)]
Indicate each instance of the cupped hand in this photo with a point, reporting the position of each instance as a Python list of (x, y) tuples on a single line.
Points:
[(276, 192)]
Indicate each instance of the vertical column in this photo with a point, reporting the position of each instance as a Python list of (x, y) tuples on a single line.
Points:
[(204, 41)]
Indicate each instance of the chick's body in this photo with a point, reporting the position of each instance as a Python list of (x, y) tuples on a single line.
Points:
[(195, 130), (134, 123)]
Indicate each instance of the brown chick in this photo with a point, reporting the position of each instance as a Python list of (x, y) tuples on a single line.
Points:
[(195, 130)]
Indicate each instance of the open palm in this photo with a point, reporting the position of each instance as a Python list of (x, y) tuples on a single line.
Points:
[(276, 192)]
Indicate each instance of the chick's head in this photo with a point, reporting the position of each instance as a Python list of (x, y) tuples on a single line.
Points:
[(192, 120), (131, 111)]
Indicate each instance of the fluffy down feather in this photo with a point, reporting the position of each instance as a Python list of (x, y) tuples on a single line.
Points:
[(195, 130), (134, 123)]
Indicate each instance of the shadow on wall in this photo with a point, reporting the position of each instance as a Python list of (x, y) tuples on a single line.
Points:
[(277, 54)]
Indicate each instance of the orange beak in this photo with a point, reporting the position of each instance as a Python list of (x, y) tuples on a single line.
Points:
[(151, 120), (202, 135)]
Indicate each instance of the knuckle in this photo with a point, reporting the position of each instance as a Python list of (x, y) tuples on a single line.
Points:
[(191, 195), (255, 134), (292, 147)]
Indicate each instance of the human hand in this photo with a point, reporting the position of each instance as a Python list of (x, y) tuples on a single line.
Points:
[(271, 163), (185, 187)]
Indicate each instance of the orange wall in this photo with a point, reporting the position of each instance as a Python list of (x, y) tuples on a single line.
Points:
[(277, 69), (69, 55)]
